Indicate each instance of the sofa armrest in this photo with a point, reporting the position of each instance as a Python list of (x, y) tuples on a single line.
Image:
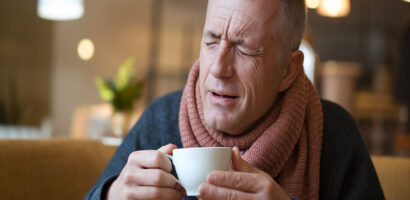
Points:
[(50, 169), (394, 176)]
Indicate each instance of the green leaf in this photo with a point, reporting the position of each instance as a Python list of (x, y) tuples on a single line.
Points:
[(122, 91), (125, 73), (106, 93)]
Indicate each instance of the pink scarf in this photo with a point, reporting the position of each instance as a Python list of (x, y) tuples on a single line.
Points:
[(286, 144)]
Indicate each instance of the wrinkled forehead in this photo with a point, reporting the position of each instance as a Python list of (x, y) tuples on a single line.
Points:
[(248, 11)]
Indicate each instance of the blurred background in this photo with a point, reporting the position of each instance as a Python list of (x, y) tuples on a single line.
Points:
[(63, 74)]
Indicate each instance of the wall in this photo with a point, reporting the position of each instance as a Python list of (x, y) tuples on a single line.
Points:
[(181, 32), (367, 35), (25, 52), (118, 29)]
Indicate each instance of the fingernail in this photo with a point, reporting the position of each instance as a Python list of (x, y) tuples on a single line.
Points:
[(201, 189), (211, 178), (235, 148)]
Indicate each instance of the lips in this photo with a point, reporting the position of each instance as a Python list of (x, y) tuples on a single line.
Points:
[(222, 95), (222, 99)]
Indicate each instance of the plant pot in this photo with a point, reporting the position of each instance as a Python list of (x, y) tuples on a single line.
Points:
[(120, 123)]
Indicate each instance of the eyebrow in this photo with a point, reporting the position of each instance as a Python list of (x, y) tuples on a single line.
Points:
[(210, 33)]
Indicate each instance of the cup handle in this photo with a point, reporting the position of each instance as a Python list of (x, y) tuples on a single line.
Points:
[(172, 159)]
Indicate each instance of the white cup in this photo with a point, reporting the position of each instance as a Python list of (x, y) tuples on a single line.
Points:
[(194, 164)]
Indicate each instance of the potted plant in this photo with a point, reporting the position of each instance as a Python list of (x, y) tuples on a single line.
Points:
[(121, 92)]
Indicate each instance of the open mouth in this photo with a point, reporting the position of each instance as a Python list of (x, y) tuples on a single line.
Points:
[(224, 96)]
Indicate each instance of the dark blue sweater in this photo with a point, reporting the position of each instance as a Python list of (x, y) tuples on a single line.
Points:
[(346, 170)]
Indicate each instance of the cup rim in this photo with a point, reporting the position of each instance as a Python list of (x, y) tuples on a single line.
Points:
[(201, 148)]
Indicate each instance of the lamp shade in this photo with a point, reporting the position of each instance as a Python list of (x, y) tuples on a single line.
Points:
[(60, 9), (334, 8)]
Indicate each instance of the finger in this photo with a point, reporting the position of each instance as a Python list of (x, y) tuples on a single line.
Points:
[(150, 159), (208, 191), (145, 192), (244, 181), (151, 177), (240, 164), (167, 149)]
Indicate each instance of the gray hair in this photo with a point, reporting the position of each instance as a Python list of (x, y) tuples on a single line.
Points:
[(291, 24)]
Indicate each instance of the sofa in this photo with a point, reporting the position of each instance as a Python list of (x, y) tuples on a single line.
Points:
[(394, 176), (50, 169), (67, 169)]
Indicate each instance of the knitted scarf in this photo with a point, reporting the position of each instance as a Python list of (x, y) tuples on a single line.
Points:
[(286, 144)]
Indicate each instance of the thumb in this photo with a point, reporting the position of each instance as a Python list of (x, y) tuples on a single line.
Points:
[(240, 164), (167, 149)]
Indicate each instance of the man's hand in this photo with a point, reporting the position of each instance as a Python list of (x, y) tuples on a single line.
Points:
[(147, 176), (244, 183)]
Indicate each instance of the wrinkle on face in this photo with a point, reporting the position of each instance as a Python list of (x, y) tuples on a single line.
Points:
[(259, 81), (238, 37), (232, 28)]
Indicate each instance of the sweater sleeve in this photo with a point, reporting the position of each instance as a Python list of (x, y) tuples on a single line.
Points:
[(157, 126), (347, 171), (117, 163), (360, 180)]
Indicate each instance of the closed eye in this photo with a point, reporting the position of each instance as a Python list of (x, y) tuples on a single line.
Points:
[(247, 52), (242, 52), (210, 43)]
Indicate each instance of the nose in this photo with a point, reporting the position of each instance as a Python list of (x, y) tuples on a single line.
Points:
[(222, 67)]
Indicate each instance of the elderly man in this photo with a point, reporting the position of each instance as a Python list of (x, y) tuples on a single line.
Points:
[(247, 91)]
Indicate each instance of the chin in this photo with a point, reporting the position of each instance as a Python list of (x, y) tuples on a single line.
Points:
[(220, 122), (214, 119)]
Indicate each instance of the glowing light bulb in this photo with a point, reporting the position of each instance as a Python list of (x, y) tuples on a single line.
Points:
[(334, 8), (313, 4), (85, 49)]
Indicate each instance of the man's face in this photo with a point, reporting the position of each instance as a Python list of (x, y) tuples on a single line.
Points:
[(240, 70)]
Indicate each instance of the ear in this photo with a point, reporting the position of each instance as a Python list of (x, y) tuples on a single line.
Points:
[(294, 63)]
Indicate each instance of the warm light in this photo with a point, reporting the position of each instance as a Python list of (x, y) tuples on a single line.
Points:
[(85, 49), (334, 8), (312, 4), (309, 60), (408, 1), (60, 9)]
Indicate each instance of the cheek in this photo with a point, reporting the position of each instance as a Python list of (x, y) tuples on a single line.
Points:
[(205, 63), (251, 74), (258, 81)]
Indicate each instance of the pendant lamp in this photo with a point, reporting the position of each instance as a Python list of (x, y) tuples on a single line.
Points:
[(60, 9)]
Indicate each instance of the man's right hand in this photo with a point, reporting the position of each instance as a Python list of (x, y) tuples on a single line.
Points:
[(147, 176)]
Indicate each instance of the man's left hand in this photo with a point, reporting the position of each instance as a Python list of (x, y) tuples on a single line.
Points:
[(246, 182)]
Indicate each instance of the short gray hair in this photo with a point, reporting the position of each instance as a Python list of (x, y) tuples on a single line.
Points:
[(291, 24)]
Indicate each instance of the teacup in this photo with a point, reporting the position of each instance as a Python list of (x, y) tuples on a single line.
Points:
[(194, 164)]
